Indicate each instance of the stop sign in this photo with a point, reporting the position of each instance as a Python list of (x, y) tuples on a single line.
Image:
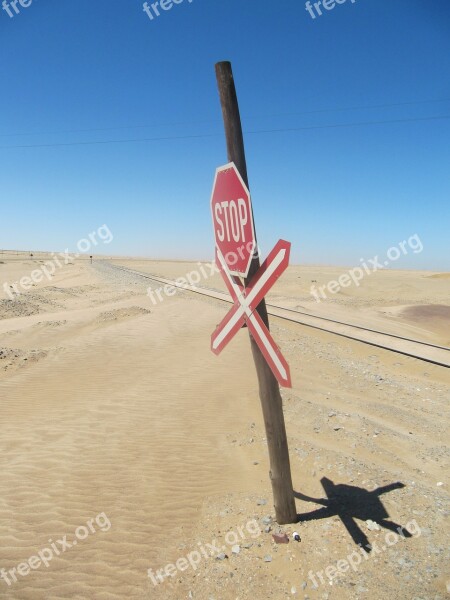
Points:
[(232, 216)]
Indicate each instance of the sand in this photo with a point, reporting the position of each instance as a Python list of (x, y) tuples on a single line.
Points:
[(113, 405)]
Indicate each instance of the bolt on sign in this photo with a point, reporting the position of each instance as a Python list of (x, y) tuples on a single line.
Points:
[(235, 246)]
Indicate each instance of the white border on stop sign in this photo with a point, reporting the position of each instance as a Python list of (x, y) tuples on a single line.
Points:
[(227, 167)]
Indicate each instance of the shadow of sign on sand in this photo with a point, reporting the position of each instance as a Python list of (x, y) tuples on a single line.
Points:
[(349, 503)]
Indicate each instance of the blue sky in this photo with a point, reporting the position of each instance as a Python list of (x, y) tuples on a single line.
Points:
[(86, 71)]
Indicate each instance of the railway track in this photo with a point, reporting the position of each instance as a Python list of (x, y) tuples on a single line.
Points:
[(432, 353)]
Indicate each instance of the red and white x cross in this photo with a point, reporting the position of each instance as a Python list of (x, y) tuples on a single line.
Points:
[(244, 309)]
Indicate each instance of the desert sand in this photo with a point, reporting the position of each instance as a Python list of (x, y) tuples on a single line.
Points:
[(114, 405)]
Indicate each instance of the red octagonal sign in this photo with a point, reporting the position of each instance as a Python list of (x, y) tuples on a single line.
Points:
[(232, 215)]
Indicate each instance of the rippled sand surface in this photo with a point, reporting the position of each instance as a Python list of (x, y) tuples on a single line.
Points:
[(124, 416)]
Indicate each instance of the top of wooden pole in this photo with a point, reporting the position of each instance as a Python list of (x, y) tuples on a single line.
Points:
[(231, 118)]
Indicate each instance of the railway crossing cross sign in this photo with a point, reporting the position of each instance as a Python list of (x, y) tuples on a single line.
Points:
[(235, 245)]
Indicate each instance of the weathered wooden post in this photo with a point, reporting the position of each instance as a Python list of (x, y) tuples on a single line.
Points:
[(269, 390)]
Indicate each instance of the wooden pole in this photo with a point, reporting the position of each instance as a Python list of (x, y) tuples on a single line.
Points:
[(269, 390)]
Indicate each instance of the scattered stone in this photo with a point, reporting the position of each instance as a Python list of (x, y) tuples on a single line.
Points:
[(267, 520), (332, 413), (296, 536), (267, 558), (236, 549), (262, 502), (361, 589), (439, 483), (372, 526), (280, 538), (293, 590), (267, 529), (221, 556), (337, 427)]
